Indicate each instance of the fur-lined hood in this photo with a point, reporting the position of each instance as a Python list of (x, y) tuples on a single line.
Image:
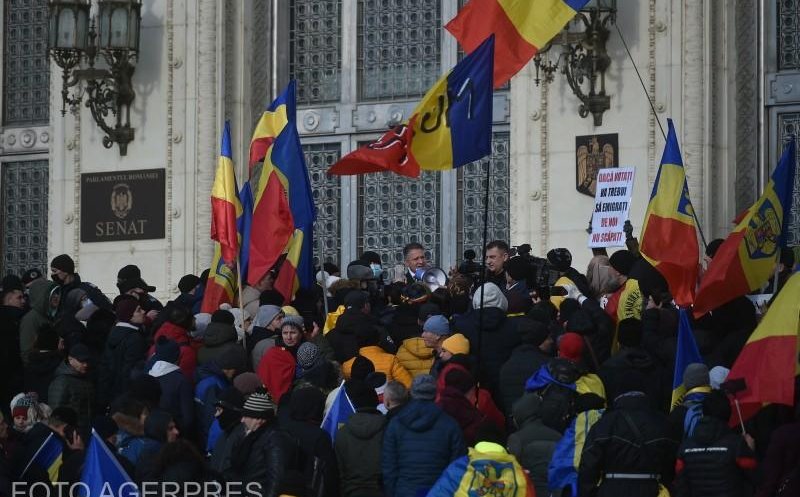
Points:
[(130, 424)]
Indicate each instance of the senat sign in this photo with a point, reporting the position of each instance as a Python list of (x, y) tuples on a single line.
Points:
[(122, 205)]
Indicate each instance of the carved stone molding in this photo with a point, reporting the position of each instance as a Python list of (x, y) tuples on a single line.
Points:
[(25, 140), (652, 167), (746, 103), (206, 129), (693, 101), (172, 66), (544, 181)]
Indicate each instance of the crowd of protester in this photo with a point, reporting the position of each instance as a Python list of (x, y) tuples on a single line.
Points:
[(508, 382)]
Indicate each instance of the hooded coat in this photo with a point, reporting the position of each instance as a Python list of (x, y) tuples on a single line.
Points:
[(468, 417), (419, 443), (638, 362), (71, 389), (714, 462), (497, 337), (343, 338), (415, 356), (533, 444), (188, 358), (176, 394), (358, 452), (525, 360), (124, 352), (36, 317)]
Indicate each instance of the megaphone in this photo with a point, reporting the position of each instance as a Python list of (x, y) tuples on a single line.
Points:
[(434, 278)]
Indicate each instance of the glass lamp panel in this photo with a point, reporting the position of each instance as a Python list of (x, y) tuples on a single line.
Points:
[(66, 29), (119, 29)]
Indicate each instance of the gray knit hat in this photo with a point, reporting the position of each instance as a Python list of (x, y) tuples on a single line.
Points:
[(423, 387), (259, 405), (695, 375)]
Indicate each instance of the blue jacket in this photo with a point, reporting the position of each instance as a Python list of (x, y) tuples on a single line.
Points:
[(210, 382), (419, 443)]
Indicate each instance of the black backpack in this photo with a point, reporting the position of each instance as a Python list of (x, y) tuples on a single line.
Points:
[(559, 402)]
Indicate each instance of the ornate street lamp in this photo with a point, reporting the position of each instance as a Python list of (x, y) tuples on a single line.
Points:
[(584, 59), (74, 44)]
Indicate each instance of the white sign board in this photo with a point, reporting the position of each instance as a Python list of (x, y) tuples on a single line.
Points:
[(612, 201)]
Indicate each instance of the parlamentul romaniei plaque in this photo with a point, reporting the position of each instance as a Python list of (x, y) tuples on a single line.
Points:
[(122, 205)]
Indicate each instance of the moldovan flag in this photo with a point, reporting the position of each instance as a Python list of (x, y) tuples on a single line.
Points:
[(522, 28), (747, 258), (221, 285), (225, 204), (272, 224), (339, 413), (450, 127), (102, 474), (768, 361), (669, 233), (685, 354)]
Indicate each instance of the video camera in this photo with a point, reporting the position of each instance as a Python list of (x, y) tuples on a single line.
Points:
[(469, 267), (541, 275)]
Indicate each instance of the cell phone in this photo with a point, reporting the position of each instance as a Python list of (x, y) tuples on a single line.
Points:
[(558, 291)]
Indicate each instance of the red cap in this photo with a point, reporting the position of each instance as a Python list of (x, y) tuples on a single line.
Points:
[(571, 346)]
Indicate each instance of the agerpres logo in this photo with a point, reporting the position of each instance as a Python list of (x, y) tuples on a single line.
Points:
[(121, 200), (763, 231), (144, 489)]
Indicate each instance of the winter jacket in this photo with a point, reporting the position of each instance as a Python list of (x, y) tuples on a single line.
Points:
[(600, 340), (419, 443), (188, 358), (10, 360), (524, 361), (614, 449), (498, 338), (714, 462), (404, 323), (176, 394), (74, 390), (318, 460), (487, 470), (782, 462), (358, 452), (210, 382), (385, 363), (343, 337), (124, 352), (684, 417), (533, 444), (415, 356), (36, 317), (220, 461), (40, 371), (218, 338), (468, 417), (637, 362), (486, 404), (269, 458)]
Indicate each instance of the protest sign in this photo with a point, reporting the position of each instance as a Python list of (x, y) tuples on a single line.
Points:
[(611, 205)]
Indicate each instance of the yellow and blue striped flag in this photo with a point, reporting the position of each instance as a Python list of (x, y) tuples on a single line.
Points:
[(48, 457)]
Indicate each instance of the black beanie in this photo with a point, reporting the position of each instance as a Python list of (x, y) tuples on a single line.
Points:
[(517, 268), (532, 332), (459, 379), (222, 316), (560, 258), (64, 263), (188, 283), (717, 405), (581, 323), (622, 261), (361, 367), (361, 395), (167, 350)]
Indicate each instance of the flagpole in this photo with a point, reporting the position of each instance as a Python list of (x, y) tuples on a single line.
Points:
[(324, 279), (483, 275), (241, 306), (655, 116)]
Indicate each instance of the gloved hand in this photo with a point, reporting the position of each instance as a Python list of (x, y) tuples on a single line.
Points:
[(573, 292)]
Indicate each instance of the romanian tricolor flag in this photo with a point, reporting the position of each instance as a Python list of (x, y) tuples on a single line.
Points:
[(669, 233), (450, 127), (522, 28), (48, 457), (272, 224), (225, 205), (768, 361), (221, 285), (747, 258), (487, 469), (685, 354)]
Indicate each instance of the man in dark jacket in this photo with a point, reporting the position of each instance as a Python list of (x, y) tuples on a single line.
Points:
[(44, 300), (176, 391), (72, 387), (359, 444), (533, 444), (12, 308), (685, 416), (264, 458), (419, 443), (492, 338), (632, 359), (228, 417), (218, 338), (629, 450), (525, 360), (356, 317), (124, 352), (715, 461)]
